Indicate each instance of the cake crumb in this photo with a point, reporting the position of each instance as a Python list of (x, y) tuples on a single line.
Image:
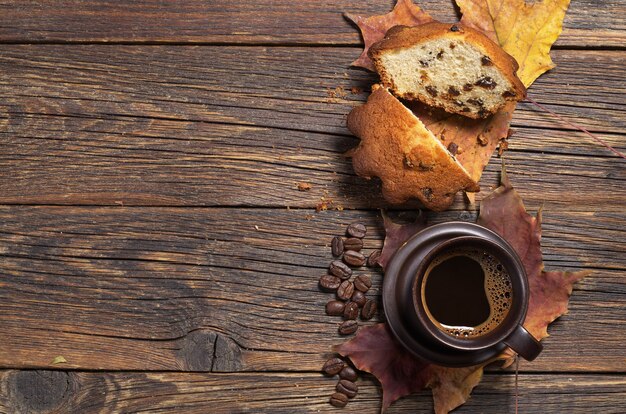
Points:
[(482, 140), (302, 186), (504, 145)]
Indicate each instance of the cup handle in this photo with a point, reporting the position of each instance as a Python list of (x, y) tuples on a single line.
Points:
[(522, 342)]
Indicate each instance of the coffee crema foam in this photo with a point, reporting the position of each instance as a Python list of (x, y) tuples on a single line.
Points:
[(498, 290)]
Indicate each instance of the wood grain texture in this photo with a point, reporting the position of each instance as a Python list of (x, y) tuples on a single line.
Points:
[(157, 125), (102, 392), (228, 290), (587, 23), (184, 284)]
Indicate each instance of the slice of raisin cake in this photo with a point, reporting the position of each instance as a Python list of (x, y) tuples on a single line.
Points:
[(449, 66), (410, 161)]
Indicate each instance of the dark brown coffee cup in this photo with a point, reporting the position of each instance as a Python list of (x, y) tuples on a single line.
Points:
[(407, 311)]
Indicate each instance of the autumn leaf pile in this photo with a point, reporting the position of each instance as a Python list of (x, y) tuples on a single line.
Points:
[(526, 31)]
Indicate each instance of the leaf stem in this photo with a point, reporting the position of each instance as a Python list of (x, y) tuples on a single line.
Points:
[(529, 99), (516, 379)]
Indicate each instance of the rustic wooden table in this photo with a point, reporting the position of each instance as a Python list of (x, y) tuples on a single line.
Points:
[(152, 233)]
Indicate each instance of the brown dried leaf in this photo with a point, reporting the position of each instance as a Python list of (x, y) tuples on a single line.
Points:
[(464, 133), (549, 291), (374, 28), (397, 235), (375, 350), (503, 212)]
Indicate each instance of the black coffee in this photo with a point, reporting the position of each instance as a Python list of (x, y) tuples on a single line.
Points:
[(467, 292)]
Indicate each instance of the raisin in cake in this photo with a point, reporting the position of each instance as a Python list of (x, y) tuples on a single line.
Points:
[(449, 66), (410, 161)]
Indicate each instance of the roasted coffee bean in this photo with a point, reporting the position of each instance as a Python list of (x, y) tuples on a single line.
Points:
[(340, 269), (336, 246), (353, 258), (372, 260), (348, 373), (345, 290), (329, 283), (338, 400), (357, 230), (351, 310), (359, 298), (348, 388), (353, 244), (362, 283), (348, 327), (335, 308), (333, 366), (369, 310)]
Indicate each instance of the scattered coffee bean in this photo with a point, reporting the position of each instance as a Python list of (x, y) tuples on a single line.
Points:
[(369, 310), (357, 230), (348, 327), (329, 283), (362, 283), (372, 260), (353, 244), (333, 366), (359, 298), (348, 388), (338, 400), (345, 290), (351, 310), (335, 308), (353, 258), (348, 373), (340, 269), (336, 246)]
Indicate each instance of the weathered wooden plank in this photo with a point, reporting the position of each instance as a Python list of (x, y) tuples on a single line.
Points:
[(102, 125), (157, 162), (587, 23), (100, 392), (236, 289), (264, 86)]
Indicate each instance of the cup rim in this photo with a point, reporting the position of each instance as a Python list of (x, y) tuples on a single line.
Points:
[(513, 319)]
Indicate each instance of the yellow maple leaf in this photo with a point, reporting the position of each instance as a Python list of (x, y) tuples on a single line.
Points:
[(525, 30)]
